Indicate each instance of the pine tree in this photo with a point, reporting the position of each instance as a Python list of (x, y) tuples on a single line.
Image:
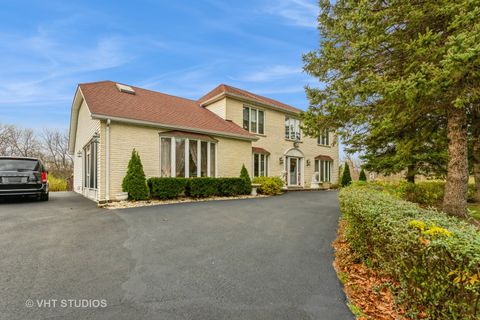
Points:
[(135, 182), (362, 176), (248, 183), (395, 67), (346, 177)]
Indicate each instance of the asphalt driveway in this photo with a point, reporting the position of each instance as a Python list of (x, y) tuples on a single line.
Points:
[(266, 258)]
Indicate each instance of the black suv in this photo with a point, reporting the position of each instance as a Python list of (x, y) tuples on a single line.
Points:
[(23, 177)]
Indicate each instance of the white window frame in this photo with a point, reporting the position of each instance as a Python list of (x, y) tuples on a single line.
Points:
[(90, 166), (324, 169), (256, 111), (292, 129), (265, 164), (324, 138), (187, 157)]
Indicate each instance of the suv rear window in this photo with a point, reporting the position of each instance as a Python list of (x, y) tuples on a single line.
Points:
[(19, 165)]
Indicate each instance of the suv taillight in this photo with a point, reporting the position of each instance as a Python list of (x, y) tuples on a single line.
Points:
[(44, 177)]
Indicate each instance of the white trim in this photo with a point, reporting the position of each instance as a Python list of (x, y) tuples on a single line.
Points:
[(242, 98), (107, 161), (199, 158), (216, 160), (186, 166), (173, 157), (209, 174), (171, 127)]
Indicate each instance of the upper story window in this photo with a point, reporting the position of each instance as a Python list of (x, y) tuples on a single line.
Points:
[(324, 138), (254, 120), (292, 128)]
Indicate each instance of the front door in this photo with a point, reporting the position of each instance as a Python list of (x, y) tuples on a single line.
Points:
[(293, 171)]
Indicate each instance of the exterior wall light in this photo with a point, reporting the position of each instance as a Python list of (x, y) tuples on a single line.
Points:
[(280, 160), (96, 138), (308, 162)]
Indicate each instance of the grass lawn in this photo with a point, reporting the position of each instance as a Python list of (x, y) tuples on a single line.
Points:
[(475, 210)]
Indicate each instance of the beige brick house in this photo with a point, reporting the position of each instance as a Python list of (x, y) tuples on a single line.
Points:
[(213, 136)]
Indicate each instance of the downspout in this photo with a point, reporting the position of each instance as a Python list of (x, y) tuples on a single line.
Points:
[(107, 162)]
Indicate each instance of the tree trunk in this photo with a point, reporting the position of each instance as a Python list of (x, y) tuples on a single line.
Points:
[(476, 150), (410, 176), (455, 199)]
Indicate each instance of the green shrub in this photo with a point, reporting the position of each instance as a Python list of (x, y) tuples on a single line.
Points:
[(346, 177), (269, 185), (362, 176), (202, 187), (167, 188), (228, 187), (248, 183), (434, 257), (425, 193), (56, 184), (135, 182)]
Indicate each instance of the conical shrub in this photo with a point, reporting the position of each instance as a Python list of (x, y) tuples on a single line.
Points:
[(135, 182)]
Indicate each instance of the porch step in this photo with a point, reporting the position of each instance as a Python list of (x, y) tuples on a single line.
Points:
[(301, 189)]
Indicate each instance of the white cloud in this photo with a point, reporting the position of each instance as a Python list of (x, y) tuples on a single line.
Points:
[(301, 13), (39, 68), (270, 74)]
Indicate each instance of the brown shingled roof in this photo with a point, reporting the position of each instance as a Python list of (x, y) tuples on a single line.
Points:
[(104, 99), (229, 90)]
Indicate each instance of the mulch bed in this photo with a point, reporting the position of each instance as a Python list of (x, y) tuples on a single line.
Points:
[(368, 291), (156, 202)]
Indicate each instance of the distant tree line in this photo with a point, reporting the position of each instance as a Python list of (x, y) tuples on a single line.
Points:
[(50, 145)]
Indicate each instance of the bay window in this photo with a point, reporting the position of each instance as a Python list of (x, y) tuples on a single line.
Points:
[(185, 157), (203, 159), (179, 157), (166, 156), (292, 128), (324, 168), (260, 165), (253, 120)]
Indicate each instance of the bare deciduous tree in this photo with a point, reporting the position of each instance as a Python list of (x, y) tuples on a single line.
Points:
[(55, 151)]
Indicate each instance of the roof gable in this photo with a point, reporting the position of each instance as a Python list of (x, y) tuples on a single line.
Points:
[(227, 90), (104, 99)]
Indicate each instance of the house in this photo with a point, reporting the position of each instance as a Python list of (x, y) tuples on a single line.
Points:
[(212, 136)]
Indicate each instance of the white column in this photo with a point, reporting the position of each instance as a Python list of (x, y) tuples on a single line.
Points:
[(209, 173), (216, 160), (199, 153), (173, 159), (187, 158)]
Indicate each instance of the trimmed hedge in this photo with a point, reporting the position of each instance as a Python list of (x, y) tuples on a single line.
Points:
[(269, 185), (201, 187), (167, 188), (434, 257)]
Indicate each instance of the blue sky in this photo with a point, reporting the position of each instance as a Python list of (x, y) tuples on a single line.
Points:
[(178, 47)]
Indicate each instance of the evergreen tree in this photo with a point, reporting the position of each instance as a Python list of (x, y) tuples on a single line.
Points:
[(346, 177), (248, 183), (135, 182), (396, 66), (362, 176)]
